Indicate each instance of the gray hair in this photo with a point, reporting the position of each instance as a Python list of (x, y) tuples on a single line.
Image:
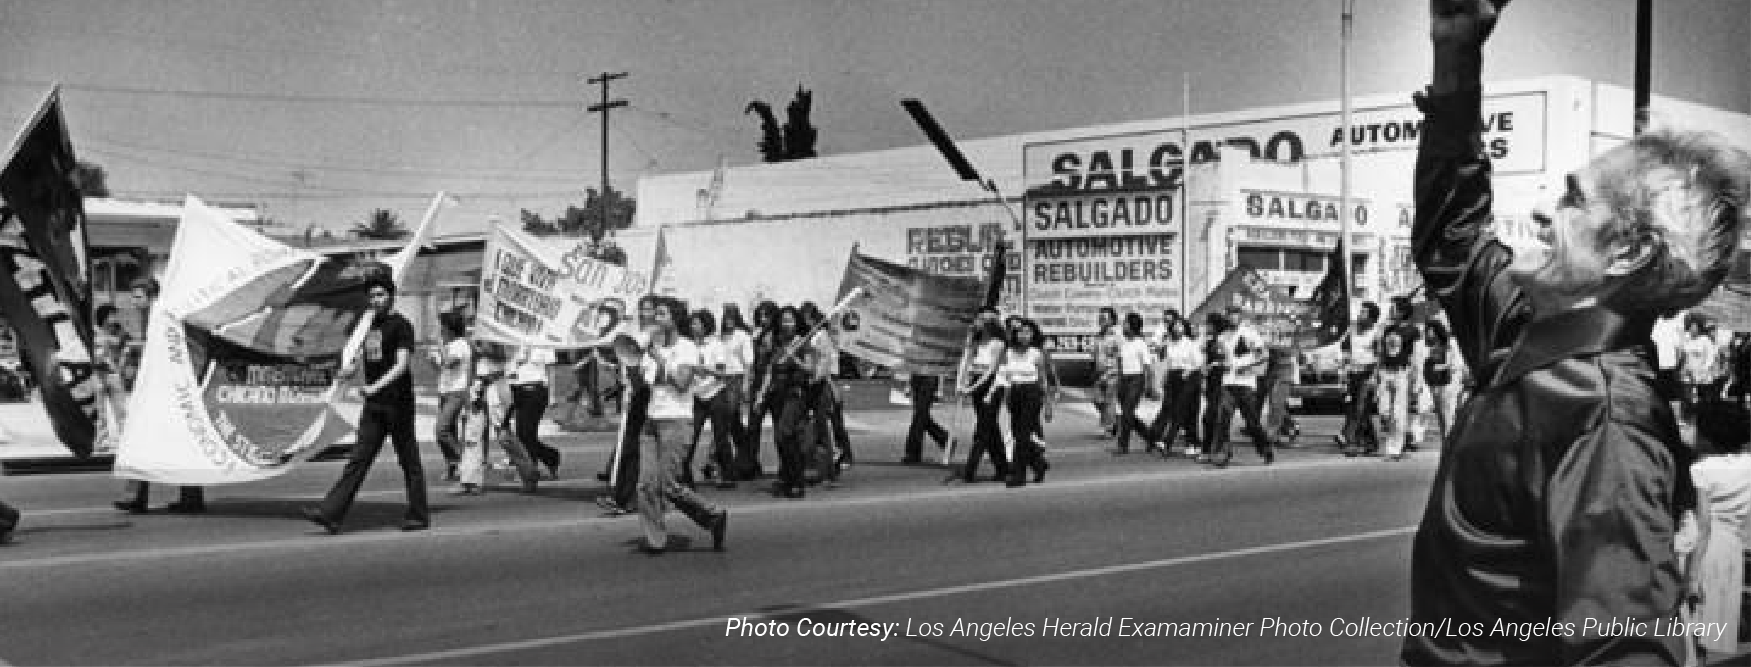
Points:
[(1695, 235)]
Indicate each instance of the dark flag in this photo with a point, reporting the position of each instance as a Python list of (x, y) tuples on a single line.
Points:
[(999, 269), (45, 289), (1328, 308)]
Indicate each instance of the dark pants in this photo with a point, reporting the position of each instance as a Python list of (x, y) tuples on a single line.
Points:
[(987, 435), (1212, 406), (1244, 399), (924, 389), (1179, 407), (1274, 405), (1025, 402), (726, 431), (528, 404), (8, 517), (841, 437), (376, 422), (789, 434), (449, 410), (1359, 433), (1130, 393), (823, 437), (748, 458), (590, 384), (625, 465)]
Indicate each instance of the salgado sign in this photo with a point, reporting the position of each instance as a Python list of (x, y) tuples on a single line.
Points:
[(1084, 195)]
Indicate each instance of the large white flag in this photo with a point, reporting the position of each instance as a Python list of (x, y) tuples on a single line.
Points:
[(240, 356)]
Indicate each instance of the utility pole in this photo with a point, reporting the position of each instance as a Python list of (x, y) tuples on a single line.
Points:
[(603, 107), (1345, 250), (1644, 37)]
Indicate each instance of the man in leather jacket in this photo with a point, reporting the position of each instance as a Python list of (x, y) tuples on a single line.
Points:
[(1557, 500)]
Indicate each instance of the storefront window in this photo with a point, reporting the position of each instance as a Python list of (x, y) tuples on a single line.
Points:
[(1261, 259)]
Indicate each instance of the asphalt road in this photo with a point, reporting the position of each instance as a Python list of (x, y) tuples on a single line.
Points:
[(513, 579)]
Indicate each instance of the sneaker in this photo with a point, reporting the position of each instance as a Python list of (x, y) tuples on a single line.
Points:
[(411, 525)]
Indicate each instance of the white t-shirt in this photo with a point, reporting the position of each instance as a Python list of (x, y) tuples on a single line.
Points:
[(1668, 335), (667, 402), (1134, 356), (1362, 345), (1244, 368), (1023, 367), (533, 370), (452, 380), (711, 353), (1185, 354), (1700, 360), (738, 352)]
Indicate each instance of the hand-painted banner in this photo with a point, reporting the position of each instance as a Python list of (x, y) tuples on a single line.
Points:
[(1277, 316), (241, 352), (550, 293), (45, 288), (912, 321)]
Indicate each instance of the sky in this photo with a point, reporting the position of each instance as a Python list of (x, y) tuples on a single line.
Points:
[(321, 111)]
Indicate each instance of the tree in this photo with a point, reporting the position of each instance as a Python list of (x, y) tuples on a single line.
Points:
[(383, 225), (595, 219), (91, 179), (795, 140)]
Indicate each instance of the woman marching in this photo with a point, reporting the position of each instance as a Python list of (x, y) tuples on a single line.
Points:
[(1443, 372), (1182, 355), (1133, 367), (1106, 369), (1215, 368), (764, 345), (977, 375), (786, 380), (1027, 377), (708, 402)]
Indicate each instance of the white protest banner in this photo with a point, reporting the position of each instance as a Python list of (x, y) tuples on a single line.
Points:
[(550, 292), (241, 351)]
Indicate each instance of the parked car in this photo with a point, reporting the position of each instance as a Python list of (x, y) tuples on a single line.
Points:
[(1321, 388)]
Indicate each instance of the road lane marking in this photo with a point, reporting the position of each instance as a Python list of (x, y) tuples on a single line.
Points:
[(816, 503), (842, 605)]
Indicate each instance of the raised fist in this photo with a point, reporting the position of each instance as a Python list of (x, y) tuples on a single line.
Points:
[(1463, 22)]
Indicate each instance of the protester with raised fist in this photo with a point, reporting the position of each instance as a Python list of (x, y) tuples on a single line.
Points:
[(1558, 497)]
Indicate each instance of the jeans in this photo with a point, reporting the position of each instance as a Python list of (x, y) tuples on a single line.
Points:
[(1130, 392), (1245, 399), (1394, 396), (450, 406), (1179, 407), (659, 483), (987, 434), (1358, 431), (528, 405), (1025, 403)]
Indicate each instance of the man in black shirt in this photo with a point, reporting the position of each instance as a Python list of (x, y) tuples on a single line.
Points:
[(1397, 380), (389, 410), (1560, 488)]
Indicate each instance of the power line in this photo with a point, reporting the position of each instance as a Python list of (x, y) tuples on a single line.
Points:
[(299, 99), (456, 174)]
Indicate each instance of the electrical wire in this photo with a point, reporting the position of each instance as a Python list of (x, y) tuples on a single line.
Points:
[(300, 99)]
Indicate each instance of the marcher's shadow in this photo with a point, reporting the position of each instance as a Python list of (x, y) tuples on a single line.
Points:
[(364, 514)]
